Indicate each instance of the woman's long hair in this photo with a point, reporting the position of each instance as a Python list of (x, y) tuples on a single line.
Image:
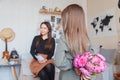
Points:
[(48, 45), (73, 22)]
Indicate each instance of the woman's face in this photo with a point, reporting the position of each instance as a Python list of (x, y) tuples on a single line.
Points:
[(44, 29)]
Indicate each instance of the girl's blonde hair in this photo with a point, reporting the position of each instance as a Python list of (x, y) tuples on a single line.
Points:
[(73, 22)]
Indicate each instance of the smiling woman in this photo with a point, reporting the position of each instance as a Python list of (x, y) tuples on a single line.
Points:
[(42, 51)]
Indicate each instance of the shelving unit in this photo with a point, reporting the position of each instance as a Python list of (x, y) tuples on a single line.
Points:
[(50, 12)]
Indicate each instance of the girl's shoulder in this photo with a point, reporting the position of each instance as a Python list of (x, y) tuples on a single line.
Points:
[(36, 37)]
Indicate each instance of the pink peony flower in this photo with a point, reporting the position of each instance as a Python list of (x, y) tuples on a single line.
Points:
[(82, 61), (89, 63), (85, 72), (101, 57)]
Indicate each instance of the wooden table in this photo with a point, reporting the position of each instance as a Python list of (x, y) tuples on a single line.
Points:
[(13, 69)]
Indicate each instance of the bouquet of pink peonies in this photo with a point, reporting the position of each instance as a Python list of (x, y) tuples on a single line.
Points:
[(89, 64)]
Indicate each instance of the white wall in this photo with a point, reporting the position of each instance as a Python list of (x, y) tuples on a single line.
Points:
[(24, 18)]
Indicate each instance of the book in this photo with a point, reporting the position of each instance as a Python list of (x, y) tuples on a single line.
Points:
[(39, 57)]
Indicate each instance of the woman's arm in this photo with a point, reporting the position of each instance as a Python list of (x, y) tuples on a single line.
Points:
[(63, 58), (33, 48), (52, 50)]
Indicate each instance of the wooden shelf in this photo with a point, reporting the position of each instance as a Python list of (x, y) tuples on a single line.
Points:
[(50, 12)]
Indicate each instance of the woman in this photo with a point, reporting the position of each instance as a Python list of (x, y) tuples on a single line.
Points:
[(72, 42), (42, 50)]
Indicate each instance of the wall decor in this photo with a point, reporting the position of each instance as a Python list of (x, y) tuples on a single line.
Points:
[(55, 11), (52, 18), (103, 24), (56, 27), (58, 21)]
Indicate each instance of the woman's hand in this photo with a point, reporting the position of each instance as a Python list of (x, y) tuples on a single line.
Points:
[(83, 77), (42, 61), (77, 71), (44, 56)]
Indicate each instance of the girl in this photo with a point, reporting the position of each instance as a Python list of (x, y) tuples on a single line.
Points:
[(42, 50)]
